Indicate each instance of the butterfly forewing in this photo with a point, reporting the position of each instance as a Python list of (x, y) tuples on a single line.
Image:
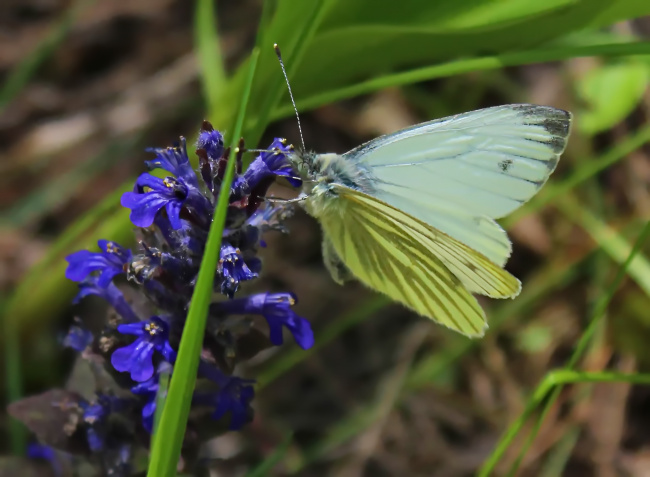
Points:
[(457, 174)]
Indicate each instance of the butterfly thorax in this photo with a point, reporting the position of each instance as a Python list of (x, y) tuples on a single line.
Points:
[(322, 173)]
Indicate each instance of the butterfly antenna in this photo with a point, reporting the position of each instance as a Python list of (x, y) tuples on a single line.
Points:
[(286, 78)]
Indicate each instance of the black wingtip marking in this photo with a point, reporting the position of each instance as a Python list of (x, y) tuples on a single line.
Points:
[(557, 126), (557, 122)]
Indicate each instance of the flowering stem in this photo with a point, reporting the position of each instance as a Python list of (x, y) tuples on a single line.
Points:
[(167, 441)]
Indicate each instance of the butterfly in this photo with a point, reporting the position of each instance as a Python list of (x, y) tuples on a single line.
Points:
[(412, 214)]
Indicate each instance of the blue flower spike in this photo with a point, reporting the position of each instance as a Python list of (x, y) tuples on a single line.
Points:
[(174, 214)]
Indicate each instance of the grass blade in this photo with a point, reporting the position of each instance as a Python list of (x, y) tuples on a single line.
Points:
[(461, 67), (275, 91), (612, 243), (166, 446), (599, 311), (213, 75)]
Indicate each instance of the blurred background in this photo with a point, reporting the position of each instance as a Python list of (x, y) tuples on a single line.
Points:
[(86, 86)]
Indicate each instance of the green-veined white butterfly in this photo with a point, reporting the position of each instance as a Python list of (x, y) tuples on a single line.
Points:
[(412, 214)]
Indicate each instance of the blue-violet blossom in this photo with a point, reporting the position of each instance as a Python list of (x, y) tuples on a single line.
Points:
[(140, 341)]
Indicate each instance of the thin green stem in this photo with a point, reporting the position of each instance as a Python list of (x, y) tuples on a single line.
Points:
[(167, 443)]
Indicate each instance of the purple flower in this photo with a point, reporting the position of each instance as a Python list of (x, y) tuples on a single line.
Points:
[(174, 160), (78, 338), (276, 308), (137, 358), (110, 293), (234, 397), (212, 142), (272, 163), (168, 193), (109, 262), (233, 270)]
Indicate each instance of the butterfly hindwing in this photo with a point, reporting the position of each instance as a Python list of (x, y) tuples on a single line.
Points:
[(413, 263)]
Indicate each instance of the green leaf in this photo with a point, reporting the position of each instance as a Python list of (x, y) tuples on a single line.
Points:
[(166, 446), (439, 16), (611, 92), (294, 49), (340, 56)]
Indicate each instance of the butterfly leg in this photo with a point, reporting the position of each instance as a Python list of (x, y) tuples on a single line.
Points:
[(274, 200)]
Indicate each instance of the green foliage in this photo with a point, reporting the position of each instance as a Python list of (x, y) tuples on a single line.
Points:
[(335, 50), (611, 92), (554, 380), (317, 39)]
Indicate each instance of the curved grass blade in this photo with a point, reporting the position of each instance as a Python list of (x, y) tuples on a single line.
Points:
[(458, 67), (167, 442), (599, 312), (608, 239)]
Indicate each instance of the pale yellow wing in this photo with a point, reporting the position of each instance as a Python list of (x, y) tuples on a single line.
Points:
[(414, 263)]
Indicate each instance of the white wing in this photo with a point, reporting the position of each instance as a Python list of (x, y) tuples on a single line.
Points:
[(461, 172)]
